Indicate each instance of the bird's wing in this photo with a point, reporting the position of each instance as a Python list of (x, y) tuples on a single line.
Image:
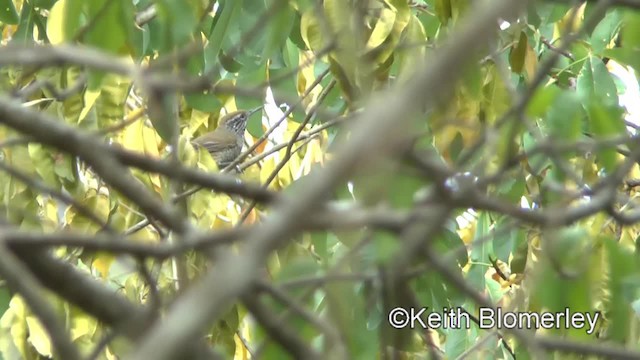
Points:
[(214, 146)]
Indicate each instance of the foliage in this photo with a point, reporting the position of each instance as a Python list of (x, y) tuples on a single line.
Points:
[(512, 184)]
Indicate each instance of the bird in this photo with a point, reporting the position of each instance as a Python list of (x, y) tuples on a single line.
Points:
[(226, 141)]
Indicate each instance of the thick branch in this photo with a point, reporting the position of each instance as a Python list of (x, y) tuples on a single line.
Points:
[(94, 152), (388, 121)]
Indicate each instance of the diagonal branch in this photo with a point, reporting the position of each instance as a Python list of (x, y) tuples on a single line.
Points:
[(388, 122), (21, 280), (94, 152)]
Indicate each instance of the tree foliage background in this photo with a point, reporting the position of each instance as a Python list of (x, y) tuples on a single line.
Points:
[(441, 153)]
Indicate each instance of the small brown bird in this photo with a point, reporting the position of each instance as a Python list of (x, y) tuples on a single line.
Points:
[(226, 141)]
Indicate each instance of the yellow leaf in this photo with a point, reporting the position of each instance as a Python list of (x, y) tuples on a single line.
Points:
[(570, 22), (198, 118), (382, 29), (114, 90), (443, 10), (467, 233), (96, 202), (458, 8), (206, 201), (140, 138), (146, 235), (13, 324), (251, 174), (496, 95), (412, 54), (530, 63), (310, 31), (188, 153), (51, 214), (306, 76), (315, 149), (268, 165), (38, 336), (206, 162), (295, 166), (82, 325), (402, 16), (102, 263), (55, 23), (90, 97), (518, 53)]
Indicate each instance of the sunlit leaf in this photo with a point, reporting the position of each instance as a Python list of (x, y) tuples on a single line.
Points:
[(38, 336)]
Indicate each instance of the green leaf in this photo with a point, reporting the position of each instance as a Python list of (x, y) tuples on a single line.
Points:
[(625, 56), (554, 290), (163, 113), (605, 122), (520, 252), (285, 87), (553, 12), (106, 25), (8, 13), (72, 17), (537, 162), (443, 10), (228, 14), (448, 241), (295, 36), (624, 285), (431, 291), (504, 238), (413, 55), (458, 341), (595, 84), (565, 117), (278, 29), (181, 16), (386, 246), (513, 188), (229, 63), (403, 189), (631, 29), (606, 30), (203, 101), (542, 100), (250, 80), (480, 252), (24, 33), (517, 53)]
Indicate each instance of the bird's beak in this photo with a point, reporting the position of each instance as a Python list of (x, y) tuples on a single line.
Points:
[(251, 112)]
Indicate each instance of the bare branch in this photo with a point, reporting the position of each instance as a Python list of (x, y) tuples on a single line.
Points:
[(24, 283), (387, 120)]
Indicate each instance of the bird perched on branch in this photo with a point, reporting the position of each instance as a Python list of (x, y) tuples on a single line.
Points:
[(226, 141)]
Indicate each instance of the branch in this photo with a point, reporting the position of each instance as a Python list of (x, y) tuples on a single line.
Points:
[(94, 152), (388, 120), (59, 55), (283, 335), (84, 292), (22, 281), (43, 188), (331, 218), (25, 241), (219, 182), (588, 349)]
